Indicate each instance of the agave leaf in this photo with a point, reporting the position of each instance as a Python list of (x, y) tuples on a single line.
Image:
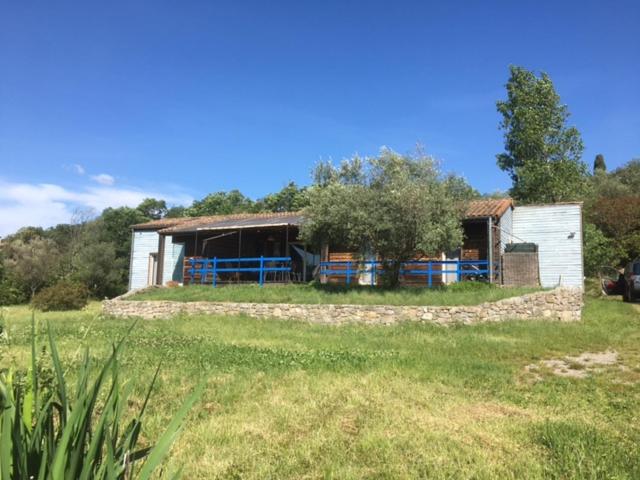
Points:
[(93, 454), (161, 448), (27, 410), (60, 384), (34, 366), (42, 473), (6, 427)]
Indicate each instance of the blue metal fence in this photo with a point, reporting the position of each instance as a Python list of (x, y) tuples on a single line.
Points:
[(259, 265), (461, 268)]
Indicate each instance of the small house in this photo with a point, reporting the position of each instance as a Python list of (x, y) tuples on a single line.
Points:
[(503, 243)]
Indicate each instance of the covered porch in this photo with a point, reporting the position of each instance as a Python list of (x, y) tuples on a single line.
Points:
[(244, 249)]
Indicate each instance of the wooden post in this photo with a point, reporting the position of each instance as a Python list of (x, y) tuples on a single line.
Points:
[(490, 253), (324, 257), (304, 263)]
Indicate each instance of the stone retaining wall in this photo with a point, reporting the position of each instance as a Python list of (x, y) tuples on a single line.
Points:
[(560, 304)]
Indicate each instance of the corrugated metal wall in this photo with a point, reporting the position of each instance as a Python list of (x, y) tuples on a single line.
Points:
[(173, 260), (557, 229), (506, 229), (143, 244)]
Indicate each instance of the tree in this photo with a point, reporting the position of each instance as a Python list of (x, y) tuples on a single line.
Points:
[(599, 250), (32, 263), (393, 205), (629, 175), (152, 208), (100, 270), (290, 199), (542, 155), (221, 203), (176, 211), (599, 164), (114, 226)]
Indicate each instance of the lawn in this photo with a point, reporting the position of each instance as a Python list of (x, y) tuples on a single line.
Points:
[(294, 400), (466, 293)]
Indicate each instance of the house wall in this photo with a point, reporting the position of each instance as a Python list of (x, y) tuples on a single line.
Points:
[(143, 244), (557, 230), (173, 260), (506, 229)]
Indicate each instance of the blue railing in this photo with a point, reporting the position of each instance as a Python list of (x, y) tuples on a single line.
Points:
[(214, 266), (461, 268)]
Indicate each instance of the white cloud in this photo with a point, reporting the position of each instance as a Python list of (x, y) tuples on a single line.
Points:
[(79, 169), (45, 205), (103, 179)]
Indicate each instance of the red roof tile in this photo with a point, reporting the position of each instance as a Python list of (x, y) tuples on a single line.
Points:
[(488, 208)]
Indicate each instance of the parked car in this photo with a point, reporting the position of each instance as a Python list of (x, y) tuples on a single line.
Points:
[(611, 281), (632, 281)]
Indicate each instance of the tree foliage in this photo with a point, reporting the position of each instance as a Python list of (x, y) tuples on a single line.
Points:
[(599, 250), (599, 165), (542, 154), (220, 203), (153, 208), (393, 205), (629, 175), (290, 199), (33, 262)]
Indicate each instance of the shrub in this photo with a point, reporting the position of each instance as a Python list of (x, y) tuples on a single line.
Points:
[(62, 296), (49, 432)]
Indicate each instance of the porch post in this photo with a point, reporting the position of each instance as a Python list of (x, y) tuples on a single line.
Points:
[(304, 263), (490, 253)]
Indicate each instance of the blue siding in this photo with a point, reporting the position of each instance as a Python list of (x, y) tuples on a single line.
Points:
[(557, 229), (506, 229), (173, 259), (143, 244)]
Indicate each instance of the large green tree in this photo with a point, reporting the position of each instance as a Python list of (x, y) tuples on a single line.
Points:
[(32, 263), (629, 175), (221, 203), (395, 206), (290, 199), (542, 154), (153, 208)]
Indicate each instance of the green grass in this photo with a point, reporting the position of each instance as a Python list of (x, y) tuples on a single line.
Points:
[(467, 293), (296, 400)]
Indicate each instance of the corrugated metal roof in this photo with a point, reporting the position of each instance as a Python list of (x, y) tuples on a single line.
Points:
[(488, 208), (238, 221)]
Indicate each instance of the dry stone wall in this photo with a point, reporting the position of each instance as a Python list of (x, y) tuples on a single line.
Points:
[(563, 304)]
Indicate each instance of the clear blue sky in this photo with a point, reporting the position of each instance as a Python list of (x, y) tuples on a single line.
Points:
[(185, 98)]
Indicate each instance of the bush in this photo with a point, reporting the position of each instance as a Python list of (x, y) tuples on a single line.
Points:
[(62, 296), (12, 294)]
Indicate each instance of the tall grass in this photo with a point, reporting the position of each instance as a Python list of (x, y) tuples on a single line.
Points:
[(47, 432), (465, 293)]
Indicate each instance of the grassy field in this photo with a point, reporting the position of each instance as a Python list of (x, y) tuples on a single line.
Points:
[(467, 293), (292, 400)]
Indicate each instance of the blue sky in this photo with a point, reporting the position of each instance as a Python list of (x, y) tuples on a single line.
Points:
[(103, 103)]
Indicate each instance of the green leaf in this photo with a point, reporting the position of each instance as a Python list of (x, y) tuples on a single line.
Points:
[(163, 445)]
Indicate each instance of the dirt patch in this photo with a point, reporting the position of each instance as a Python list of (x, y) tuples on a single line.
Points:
[(580, 366)]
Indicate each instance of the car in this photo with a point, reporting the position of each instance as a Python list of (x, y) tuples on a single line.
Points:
[(611, 281), (631, 286)]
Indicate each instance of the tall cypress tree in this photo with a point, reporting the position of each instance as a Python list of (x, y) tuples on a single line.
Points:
[(542, 154)]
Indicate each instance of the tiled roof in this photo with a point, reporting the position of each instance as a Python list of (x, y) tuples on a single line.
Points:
[(488, 208), (159, 224), (476, 209), (240, 220)]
